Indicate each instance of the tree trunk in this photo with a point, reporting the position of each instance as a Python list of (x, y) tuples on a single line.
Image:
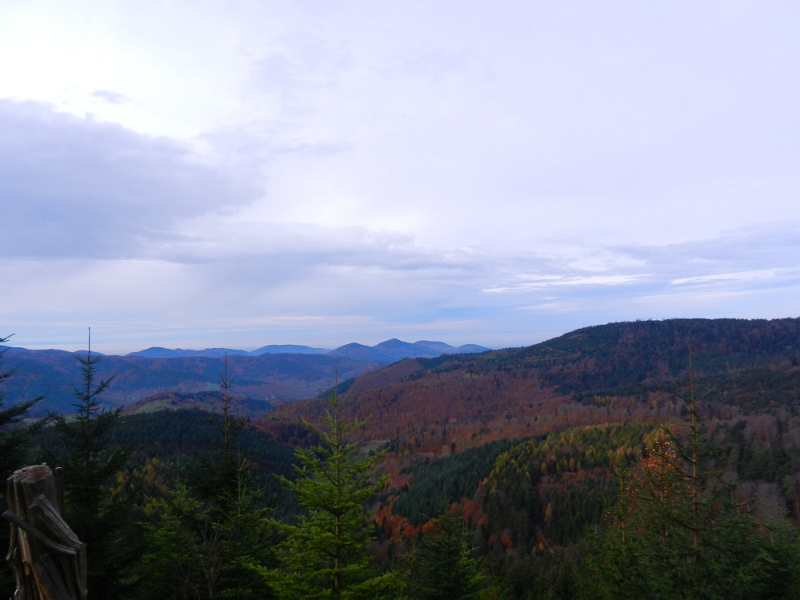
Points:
[(48, 559)]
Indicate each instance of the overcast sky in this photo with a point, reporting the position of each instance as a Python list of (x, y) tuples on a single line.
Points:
[(229, 173)]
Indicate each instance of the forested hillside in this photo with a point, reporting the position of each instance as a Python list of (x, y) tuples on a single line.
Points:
[(203, 401), (181, 440), (607, 373), (518, 472), (264, 377)]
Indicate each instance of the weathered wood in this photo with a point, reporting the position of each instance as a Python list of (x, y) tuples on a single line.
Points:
[(59, 473), (48, 559), (37, 535)]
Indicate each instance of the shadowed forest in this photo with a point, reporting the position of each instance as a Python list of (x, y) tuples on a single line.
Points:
[(655, 459)]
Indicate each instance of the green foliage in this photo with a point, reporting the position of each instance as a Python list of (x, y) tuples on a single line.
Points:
[(326, 553), (183, 554), (14, 438), (752, 461), (196, 551), (679, 532), (15, 441), (439, 483), (442, 565), (630, 358), (558, 484), (184, 440), (540, 576), (759, 389), (97, 516), (205, 536)]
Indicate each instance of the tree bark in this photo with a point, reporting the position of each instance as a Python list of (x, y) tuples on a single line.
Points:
[(48, 559)]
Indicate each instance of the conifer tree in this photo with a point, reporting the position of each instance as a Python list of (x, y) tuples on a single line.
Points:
[(209, 531), (14, 448), (326, 553), (679, 530), (442, 563), (96, 515)]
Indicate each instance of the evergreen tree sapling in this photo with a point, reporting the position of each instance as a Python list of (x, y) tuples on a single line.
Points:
[(95, 514), (326, 553)]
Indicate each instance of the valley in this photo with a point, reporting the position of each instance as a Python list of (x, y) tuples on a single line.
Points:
[(526, 444)]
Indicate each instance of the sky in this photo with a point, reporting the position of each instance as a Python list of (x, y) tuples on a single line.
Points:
[(199, 173)]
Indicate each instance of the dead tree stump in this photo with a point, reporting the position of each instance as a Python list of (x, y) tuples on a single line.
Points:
[(48, 559)]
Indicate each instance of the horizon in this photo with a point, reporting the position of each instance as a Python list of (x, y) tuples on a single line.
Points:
[(124, 352), (219, 175), (83, 348)]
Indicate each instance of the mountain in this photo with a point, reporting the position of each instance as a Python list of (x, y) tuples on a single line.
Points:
[(288, 349), (158, 352), (386, 352), (265, 377), (393, 350), (607, 373)]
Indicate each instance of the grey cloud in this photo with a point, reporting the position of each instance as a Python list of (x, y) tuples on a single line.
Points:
[(110, 97), (75, 187), (343, 285), (739, 263)]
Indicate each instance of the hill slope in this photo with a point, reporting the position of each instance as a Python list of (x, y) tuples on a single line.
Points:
[(269, 376), (607, 373)]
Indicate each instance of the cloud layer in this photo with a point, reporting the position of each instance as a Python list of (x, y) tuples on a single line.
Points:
[(267, 173)]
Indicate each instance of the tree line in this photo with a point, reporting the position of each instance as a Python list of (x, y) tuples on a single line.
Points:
[(208, 530)]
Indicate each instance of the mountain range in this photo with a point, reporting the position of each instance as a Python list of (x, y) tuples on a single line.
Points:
[(386, 352), (263, 378), (608, 373), (268, 379), (527, 444), (159, 352)]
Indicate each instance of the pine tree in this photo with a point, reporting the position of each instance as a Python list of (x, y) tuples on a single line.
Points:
[(442, 563), (196, 552), (209, 532), (14, 448), (326, 553), (94, 513), (679, 531)]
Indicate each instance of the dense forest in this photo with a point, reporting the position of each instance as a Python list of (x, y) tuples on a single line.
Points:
[(258, 378), (610, 462)]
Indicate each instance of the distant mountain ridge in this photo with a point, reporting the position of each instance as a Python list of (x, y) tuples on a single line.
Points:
[(393, 350), (159, 352), (275, 372), (266, 377), (386, 352), (606, 373)]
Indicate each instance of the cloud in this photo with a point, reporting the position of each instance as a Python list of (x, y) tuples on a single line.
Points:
[(75, 187), (533, 282), (308, 284), (722, 277), (356, 171), (110, 97)]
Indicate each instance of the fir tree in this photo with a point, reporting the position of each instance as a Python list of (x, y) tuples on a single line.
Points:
[(208, 533), (14, 449), (95, 514), (326, 553), (442, 563), (679, 531)]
